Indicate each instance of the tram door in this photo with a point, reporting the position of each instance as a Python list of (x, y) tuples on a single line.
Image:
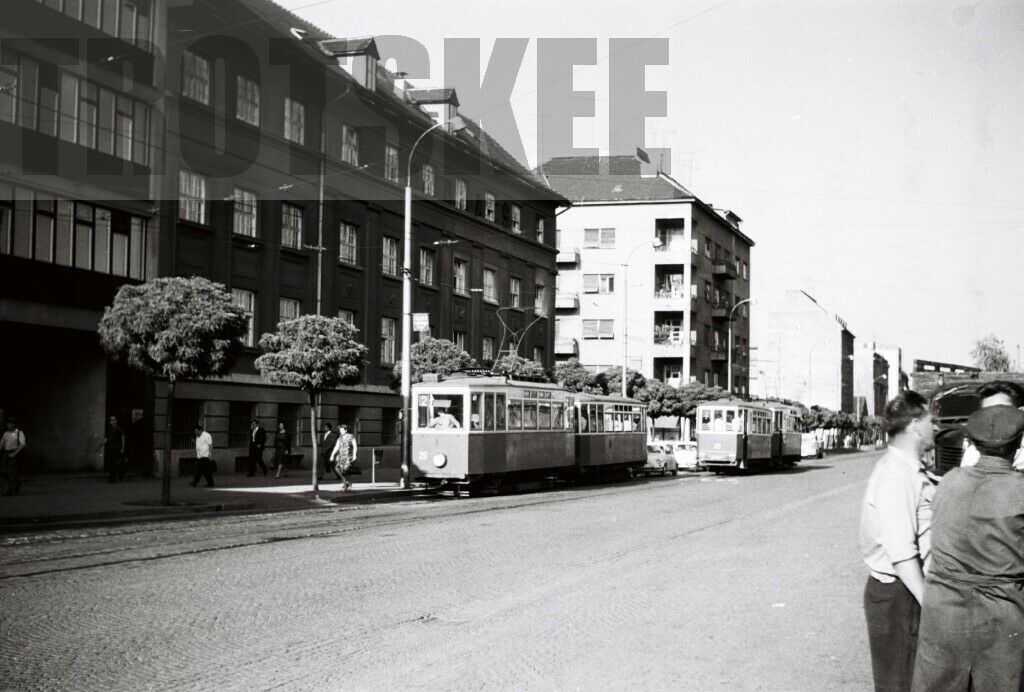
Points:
[(776, 434)]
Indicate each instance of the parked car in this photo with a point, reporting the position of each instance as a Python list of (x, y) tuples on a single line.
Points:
[(810, 446), (685, 454), (660, 458)]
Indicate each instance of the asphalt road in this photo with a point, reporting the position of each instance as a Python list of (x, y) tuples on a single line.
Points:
[(696, 583)]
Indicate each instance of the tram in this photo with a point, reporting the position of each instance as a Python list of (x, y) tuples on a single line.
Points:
[(472, 430), (736, 434)]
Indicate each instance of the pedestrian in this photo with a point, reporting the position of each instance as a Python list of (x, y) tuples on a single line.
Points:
[(11, 445), (972, 624), (257, 443), (205, 465), (996, 393), (895, 541), (282, 448), (114, 451), (344, 455), (328, 440)]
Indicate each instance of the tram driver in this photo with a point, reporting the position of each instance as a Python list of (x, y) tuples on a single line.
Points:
[(444, 420)]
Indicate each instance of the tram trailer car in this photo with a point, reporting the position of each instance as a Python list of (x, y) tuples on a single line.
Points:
[(736, 434), (470, 431)]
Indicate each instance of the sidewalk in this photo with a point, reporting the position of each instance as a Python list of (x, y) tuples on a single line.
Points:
[(48, 501)]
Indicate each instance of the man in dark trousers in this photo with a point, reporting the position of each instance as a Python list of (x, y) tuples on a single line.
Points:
[(114, 450), (328, 438), (895, 541), (257, 443), (972, 624)]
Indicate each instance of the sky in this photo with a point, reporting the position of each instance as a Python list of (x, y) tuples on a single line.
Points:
[(875, 150)]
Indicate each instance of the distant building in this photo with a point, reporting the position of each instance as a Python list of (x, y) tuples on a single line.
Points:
[(871, 372), (897, 380), (681, 294), (806, 354)]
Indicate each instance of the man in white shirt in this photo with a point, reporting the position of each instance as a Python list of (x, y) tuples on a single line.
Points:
[(997, 393), (204, 450), (895, 541)]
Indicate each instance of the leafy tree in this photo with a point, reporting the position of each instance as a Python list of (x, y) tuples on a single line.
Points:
[(693, 394), (435, 355), (990, 354), (315, 354), (613, 380), (661, 399), (571, 375), (514, 364), (176, 328)]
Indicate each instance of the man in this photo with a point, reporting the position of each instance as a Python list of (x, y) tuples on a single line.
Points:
[(344, 455), (997, 393), (114, 450), (257, 443), (328, 440), (894, 540), (204, 452), (444, 420), (972, 625), (11, 444)]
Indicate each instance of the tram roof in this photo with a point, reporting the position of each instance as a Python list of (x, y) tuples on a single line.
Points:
[(605, 399), (477, 382)]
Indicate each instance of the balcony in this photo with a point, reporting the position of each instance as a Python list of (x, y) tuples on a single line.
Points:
[(721, 353), (720, 312), (671, 348), (567, 301), (568, 256), (724, 269), (672, 299), (567, 347)]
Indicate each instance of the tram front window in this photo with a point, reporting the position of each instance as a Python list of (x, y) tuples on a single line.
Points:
[(730, 416), (719, 423), (447, 412)]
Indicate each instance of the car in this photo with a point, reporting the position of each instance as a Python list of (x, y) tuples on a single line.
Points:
[(685, 453), (660, 458)]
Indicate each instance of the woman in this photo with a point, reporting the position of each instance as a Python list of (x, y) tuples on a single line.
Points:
[(282, 448)]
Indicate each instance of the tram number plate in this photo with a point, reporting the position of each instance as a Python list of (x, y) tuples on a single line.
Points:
[(717, 445), (423, 456)]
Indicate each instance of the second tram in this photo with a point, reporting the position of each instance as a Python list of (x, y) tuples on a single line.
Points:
[(736, 434)]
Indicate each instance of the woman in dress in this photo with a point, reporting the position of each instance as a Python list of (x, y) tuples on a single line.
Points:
[(282, 448)]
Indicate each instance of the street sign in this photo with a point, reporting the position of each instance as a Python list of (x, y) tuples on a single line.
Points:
[(421, 321)]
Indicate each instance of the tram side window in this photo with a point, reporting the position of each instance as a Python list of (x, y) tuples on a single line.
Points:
[(638, 422), (529, 415), (476, 419), (558, 420), (609, 425), (515, 415), (488, 412), (705, 420), (544, 416), (423, 410), (499, 411)]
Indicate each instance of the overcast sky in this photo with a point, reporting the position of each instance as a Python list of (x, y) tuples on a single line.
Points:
[(875, 150)]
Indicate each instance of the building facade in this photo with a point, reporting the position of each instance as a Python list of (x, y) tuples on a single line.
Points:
[(278, 158), (644, 262), (870, 380)]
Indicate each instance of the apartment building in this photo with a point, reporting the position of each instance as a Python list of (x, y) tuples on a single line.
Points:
[(645, 263)]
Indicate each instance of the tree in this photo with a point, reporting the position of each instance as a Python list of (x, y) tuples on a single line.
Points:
[(661, 399), (513, 364), (315, 354), (437, 356), (693, 394), (990, 354), (613, 378), (571, 375), (175, 328)]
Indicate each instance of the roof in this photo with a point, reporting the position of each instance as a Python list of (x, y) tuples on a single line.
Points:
[(440, 95), (274, 13), (608, 179), (351, 46)]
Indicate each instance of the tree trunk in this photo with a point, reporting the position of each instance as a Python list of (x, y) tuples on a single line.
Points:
[(312, 434), (165, 479)]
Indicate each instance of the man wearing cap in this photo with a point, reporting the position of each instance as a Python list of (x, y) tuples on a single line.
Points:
[(894, 539), (972, 625)]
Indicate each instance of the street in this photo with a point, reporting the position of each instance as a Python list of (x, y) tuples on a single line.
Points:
[(697, 582)]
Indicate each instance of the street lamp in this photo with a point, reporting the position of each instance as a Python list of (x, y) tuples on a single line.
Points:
[(457, 124), (656, 243), (728, 371)]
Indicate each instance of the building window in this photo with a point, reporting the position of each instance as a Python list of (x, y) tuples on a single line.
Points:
[(538, 354), (347, 243), (195, 80), (247, 301), (428, 180), (487, 348), (294, 121), (745, 275), (598, 329), (388, 328), (459, 339), (245, 212), (391, 173), (347, 316), (603, 238), (247, 101), (540, 299), (291, 226), (426, 267), (489, 206), (514, 291), (490, 285), (517, 218), (460, 194), (88, 115), (540, 229), (186, 414), (191, 197), (707, 248), (599, 283), (350, 145), (389, 258), (459, 271), (289, 309), (695, 246)]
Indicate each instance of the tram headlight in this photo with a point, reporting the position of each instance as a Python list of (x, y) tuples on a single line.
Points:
[(440, 460)]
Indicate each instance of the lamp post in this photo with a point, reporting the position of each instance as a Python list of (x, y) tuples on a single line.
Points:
[(457, 124), (728, 371), (656, 243)]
